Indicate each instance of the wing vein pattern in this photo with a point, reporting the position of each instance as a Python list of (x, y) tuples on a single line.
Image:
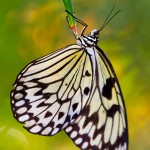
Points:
[(48, 96)]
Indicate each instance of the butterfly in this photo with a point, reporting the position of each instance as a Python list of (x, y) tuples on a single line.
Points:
[(73, 89)]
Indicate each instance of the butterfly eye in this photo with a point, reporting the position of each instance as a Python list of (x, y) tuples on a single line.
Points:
[(94, 33)]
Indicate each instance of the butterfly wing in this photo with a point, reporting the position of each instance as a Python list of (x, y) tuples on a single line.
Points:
[(102, 124), (48, 95)]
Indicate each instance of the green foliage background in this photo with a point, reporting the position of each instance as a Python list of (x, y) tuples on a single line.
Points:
[(30, 29)]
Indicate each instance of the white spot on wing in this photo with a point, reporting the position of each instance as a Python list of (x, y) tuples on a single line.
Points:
[(35, 129), (73, 134), (12, 94), (46, 131), (19, 88), (20, 103), (12, 101), (68, 129), (78, 141), (29, 123), (18, 96), (21, 110), (85, 145), (23, 118)]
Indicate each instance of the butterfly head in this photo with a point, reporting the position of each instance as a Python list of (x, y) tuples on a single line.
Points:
[(94, 33)]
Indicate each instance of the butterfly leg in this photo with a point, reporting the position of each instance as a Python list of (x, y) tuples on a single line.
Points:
[(79, 21)]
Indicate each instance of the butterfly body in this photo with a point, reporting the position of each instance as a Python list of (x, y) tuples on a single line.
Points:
[(74, 89)]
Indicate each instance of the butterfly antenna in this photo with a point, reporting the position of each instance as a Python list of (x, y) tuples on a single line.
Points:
[(107, 20)]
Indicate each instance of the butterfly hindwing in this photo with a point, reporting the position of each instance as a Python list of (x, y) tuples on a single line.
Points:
[(48, 95), (102, 124)]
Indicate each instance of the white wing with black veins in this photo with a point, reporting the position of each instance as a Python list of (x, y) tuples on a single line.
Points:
[(51, 91)]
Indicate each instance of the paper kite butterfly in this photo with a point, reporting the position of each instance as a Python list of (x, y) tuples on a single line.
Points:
[(73, 89)]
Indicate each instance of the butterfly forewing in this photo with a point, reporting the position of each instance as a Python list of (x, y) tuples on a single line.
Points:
[(102, 123), (48, 95)]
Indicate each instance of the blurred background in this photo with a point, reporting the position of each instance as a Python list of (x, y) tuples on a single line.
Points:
[(30, 29)]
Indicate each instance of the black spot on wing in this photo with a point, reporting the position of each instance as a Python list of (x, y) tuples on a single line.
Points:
[(51, 124), (114, 108), (74, 106), (41, 105), (59, 126), (107, 89), (86, 91), (46, 95), (48, 114), (61, 114), (68, 118), (75, 116), (87, 73)]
